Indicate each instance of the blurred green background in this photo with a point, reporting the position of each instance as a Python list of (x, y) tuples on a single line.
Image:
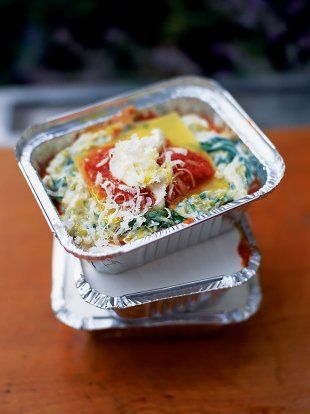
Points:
[(46, 41), (58, 55)]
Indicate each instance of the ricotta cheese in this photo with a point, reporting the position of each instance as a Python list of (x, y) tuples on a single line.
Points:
[(193, 120), (234, 174), (134, 161), (202, 130)]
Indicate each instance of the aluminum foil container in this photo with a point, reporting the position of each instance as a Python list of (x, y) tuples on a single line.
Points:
[(231, 305), (187, 95), (174, 284)]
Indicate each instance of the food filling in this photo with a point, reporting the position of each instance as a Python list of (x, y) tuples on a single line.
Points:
[(139, 173)]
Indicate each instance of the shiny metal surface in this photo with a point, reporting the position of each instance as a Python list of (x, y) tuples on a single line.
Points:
[(224, 307), (194, 94), (184, 290)]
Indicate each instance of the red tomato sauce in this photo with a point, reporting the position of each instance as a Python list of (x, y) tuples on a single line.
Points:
[(255, 186), (244, 251), (121, 119), (195, 171), (91, 169), (145, 116)]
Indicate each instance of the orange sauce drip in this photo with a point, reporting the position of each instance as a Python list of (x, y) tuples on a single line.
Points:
[(244, 250)]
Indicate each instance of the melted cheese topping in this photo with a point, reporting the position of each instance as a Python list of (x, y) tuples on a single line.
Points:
[(134, 161), (173, 129)]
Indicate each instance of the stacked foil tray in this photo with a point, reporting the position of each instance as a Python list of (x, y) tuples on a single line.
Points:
[(83, 298), (189, 273)]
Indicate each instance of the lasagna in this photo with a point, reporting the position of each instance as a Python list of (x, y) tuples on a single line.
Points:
[(138, 173)]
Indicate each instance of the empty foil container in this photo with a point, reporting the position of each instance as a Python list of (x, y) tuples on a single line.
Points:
[(230, 306), (187, 94), (175, 284)]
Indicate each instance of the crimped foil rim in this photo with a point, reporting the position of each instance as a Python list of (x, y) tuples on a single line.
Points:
[(102, 301), (92, 323), (108, 321), (195, 86)]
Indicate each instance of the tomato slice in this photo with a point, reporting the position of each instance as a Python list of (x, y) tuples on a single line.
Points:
[(193, 172), (94, 164)]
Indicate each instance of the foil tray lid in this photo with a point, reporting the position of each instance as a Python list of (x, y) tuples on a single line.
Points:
[(211, 265)]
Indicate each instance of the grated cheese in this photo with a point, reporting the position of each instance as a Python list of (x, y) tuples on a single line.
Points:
[(134, 161), (95, 223)]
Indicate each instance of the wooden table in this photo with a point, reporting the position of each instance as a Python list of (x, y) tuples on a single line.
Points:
[(258, 367)]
